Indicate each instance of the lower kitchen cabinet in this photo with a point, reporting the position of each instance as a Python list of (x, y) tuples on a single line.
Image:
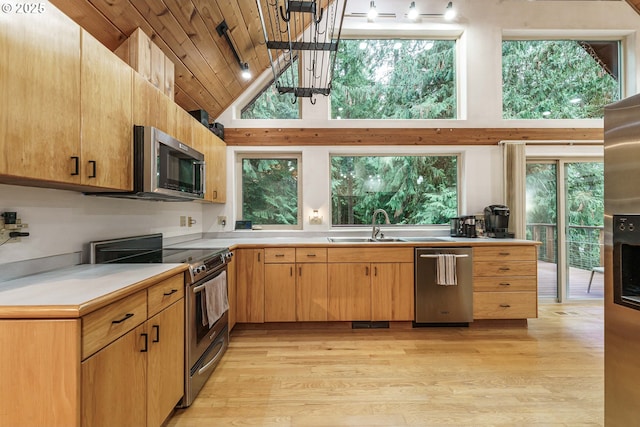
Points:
[(505, 282), (249, 285), (119, 365), (392, 292), (114, 387), (371, 284), (279, 293), (311, 292), (349, 291), (139, 378)]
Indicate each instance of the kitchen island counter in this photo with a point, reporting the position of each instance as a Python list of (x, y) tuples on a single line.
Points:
[(75, 291)]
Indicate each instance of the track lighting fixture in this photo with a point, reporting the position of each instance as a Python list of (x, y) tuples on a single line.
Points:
[(223, 30)]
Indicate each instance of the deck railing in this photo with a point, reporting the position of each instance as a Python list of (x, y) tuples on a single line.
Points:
[(585, 244)]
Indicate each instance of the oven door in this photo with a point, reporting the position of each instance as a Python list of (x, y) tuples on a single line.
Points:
[(198, 333)]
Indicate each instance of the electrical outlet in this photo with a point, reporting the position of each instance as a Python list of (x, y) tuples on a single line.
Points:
[(222, 220), (183, 221), (190, 221)]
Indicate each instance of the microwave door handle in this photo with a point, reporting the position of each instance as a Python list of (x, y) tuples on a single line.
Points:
[(203, 169)]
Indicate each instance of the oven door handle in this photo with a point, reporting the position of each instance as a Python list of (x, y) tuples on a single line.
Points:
[(200, 288)]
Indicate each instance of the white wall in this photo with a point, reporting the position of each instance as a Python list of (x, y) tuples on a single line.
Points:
[(62, 222)]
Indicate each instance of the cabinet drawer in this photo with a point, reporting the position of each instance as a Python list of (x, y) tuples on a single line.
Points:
[(508, 253), (111, 322), (505, 269), (505, 305), (278, 255), (359, 254), (505, 284), (311, 255), (165, 293)]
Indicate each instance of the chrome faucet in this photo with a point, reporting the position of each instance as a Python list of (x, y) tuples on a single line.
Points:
[(375, 229)]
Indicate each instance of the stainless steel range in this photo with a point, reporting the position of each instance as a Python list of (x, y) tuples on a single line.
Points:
[(206, 303)]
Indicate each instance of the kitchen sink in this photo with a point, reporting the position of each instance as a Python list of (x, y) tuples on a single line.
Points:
[(363, 239)]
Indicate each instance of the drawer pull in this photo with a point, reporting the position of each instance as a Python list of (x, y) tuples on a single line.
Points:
[(173, 291), (504, 284), (311, 255), (157, 329), (279, 255), (126, 316), (505, 253), (291, 271), (505, 305), (366, 271), (504, 269)]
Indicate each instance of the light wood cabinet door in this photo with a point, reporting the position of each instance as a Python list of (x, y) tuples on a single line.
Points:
[(165, 362), (114, 383), (39, 97), (392, 296), (311, 292), (250, 285), (349, 291), (217, 170), (107, 123), (279, 293)]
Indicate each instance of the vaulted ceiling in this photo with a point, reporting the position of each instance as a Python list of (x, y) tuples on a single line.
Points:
[(207, 75)]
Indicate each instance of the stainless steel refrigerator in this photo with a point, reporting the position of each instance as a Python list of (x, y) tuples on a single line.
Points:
[(622, 262)]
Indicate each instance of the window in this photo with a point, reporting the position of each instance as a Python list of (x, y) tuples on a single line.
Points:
[(412, 189), (269, 104), (394, 79), (559, 79), (271, 191)]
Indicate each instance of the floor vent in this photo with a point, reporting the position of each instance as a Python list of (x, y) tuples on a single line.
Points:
[(369, 325)]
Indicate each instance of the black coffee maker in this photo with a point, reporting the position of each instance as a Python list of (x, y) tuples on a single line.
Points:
[(496, 221)]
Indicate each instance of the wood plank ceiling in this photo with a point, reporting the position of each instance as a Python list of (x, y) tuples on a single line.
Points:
[(207, 75)]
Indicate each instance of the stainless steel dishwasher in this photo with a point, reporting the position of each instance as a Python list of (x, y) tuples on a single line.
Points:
[(438, 303)]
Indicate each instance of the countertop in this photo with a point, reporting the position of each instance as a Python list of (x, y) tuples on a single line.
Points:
[(266, 241), (75, 291)]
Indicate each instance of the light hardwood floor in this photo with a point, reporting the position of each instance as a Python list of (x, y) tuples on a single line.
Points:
[(547, 374)]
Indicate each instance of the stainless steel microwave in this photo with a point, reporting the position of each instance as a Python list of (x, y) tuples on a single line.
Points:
[(164, 168)]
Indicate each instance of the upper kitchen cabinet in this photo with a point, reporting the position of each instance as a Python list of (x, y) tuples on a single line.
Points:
[(65, 116), (215, 156), (39, 98), (107, 125)]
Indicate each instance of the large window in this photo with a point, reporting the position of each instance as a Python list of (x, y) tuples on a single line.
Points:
[(559, 79), (394, 79), (269, 104), (412, 189), (270, 189)]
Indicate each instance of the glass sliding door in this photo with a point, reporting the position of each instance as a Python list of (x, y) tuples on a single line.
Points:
[(584, 217), (565, 212), (542, 223)]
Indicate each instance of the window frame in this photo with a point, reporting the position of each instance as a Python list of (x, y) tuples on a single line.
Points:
[(459, 184), (457, 81), (240, 156), (510, 36)]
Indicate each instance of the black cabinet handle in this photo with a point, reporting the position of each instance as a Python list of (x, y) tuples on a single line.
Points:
[(311, 255), (300, 271), (76, 165), (173, 291), (375, 271), (504, 284), (156, 328), (93, 168), (504, 269), (126, 316), (258, 256), (291, 271), (146, 343), (215, 194), (505, 305), (366, 271), (279, 255), (505, 253)]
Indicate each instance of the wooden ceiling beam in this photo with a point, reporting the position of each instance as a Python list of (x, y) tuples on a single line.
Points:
[(393, 136)]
